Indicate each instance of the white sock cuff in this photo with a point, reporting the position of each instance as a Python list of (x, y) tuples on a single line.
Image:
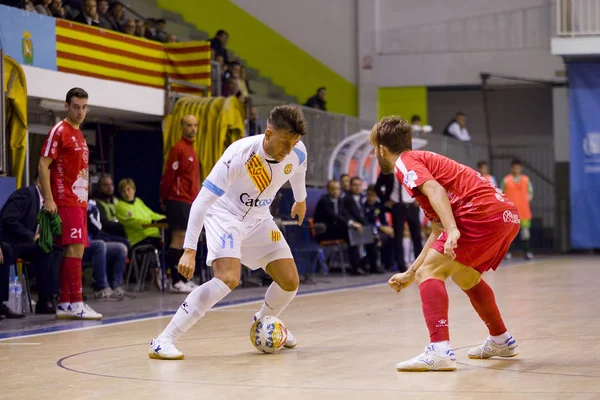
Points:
[(221, 284)]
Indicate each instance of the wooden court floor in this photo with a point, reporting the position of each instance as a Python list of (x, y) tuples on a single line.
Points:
[(349, 342)]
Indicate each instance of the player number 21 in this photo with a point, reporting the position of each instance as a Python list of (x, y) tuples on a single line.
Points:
[(75, 233)]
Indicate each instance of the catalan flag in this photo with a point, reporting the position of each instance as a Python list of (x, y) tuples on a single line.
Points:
[(98, 53), (258, 173), (275, 235)]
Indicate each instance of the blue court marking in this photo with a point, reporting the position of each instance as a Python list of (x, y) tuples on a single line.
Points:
[(73, 325)]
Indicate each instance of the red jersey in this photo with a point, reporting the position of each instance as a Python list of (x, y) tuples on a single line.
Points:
[(181, 180), (469, 193), (69, 171)]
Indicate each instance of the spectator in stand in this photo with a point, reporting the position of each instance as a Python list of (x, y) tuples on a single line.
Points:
[(244, 79), (484, 170), (457, 128), (318, 100), (58, 11), (42, 7), (219, 45), (116, 16), (103, 18), (222, 66), (29, 6), (107, 205), (253, 125), (375, 215), (89, 14), (171, 38), (140, 28), (129, 27), (160, 32)]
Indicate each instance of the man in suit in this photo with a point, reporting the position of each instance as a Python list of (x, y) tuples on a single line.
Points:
[(353, 203), (403, 208), (330, 211), (19, 234), (374, 212)]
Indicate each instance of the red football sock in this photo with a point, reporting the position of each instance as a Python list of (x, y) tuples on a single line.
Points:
[(72, 274), (64, 296), (483, 301), (434, 299)]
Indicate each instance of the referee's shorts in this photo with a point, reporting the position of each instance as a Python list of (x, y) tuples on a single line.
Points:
[(178, 213)]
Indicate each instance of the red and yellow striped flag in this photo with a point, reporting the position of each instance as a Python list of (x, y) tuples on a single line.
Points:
[(98, 53)]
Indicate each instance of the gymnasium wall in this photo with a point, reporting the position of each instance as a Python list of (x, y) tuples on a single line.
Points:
[(275, 55)]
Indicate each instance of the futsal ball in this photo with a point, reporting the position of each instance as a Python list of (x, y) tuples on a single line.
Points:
[(268, 334)]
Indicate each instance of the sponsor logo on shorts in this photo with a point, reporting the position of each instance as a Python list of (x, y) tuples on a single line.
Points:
[(511, 217), (250, 202), (287, 169), (275, 235)]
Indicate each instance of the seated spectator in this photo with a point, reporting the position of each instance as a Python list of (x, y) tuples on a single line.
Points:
[(42, 7), (353, 203), (103, 18), (318, 100), (129, 27), (345, 184), (330, 211), (160, 33), (134, 214), (375, 215), (29, 6), (254, 127), (457, 128), (108, 259), (140, 28), (107, 205), (219, 44), (116, 16), (418, 127), (59, 11), (244, 78), (19, 233), (171, 38), (89, 14)]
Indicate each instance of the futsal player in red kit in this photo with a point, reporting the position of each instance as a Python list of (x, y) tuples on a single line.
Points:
[(473, 226), (63, 170)]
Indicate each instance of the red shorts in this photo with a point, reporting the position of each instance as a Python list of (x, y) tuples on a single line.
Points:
[(483, 243), (74, 226)]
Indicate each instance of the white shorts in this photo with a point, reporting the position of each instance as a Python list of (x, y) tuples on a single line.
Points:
[(255, 243)]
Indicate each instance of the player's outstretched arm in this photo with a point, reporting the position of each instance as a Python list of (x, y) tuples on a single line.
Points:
[(439, 201)]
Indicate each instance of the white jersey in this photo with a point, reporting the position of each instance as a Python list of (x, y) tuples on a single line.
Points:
[(246, 179)]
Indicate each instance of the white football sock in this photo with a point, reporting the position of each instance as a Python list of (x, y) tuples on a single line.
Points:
[(276, 300), (501, 339), (196, 304), (441, 348)]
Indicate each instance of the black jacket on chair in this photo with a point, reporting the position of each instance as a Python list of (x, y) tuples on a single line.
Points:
[(18, 217), (337, 224)]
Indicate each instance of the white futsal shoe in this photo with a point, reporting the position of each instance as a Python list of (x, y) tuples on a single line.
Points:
[(489, 349), (163, 349), (430, 360), (290, 342), (83, 312)]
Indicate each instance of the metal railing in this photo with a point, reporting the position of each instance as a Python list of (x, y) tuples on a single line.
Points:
[(578, 17)]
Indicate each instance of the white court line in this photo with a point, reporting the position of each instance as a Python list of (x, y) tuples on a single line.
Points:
[(347, 289), (84, 328)]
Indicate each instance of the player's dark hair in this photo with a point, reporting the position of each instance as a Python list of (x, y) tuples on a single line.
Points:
[(393, 132), (481, 164), (516, 161), (76, 92), (288, 117), (371, 188)]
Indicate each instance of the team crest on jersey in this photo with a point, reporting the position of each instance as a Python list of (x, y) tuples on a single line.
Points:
[(258, 173), (275, 235), (287, 169)]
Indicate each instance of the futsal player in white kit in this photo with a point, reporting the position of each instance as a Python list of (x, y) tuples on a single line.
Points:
[(233, 206)]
